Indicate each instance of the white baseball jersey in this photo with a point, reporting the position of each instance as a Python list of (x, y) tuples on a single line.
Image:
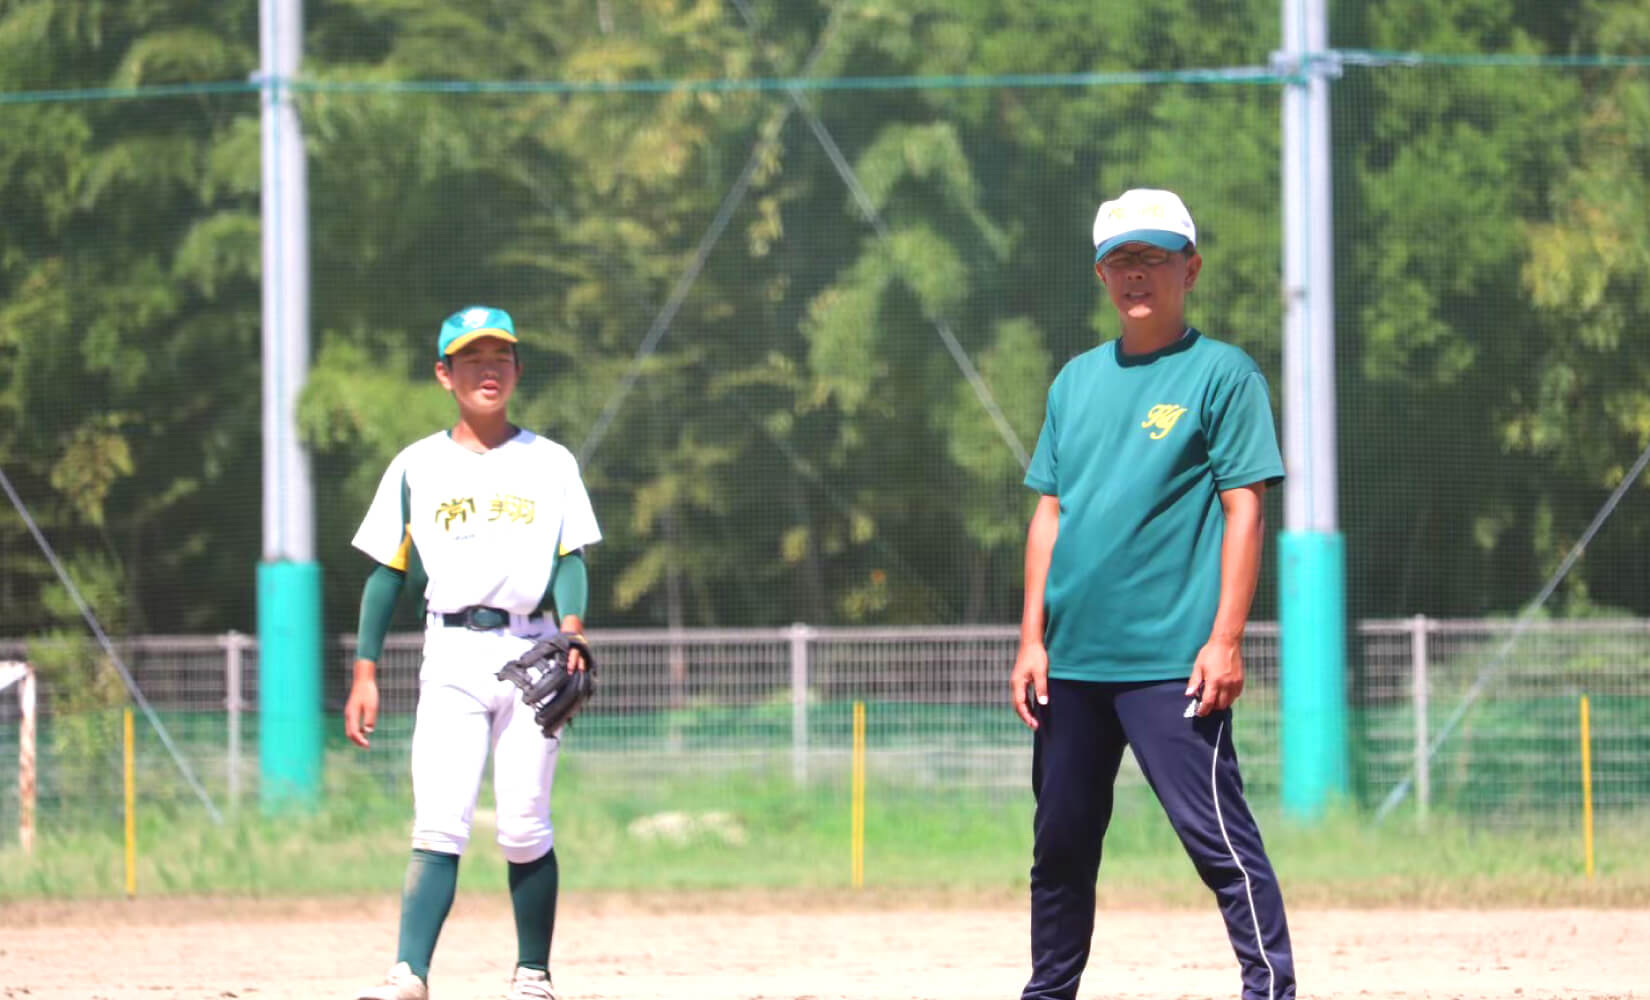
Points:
[(488, 526)]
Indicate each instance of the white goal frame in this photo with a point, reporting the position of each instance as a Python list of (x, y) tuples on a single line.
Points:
[(22, 674)]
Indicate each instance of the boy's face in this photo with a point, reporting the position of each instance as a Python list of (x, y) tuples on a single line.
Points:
[(482, 375), (1147, 282)]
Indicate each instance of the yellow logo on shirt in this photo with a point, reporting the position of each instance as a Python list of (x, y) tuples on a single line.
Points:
[(511, 508), (502, 507), (1163, 416), (455, 509)]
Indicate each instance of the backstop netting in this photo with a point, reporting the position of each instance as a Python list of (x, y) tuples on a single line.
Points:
[(791, 282)]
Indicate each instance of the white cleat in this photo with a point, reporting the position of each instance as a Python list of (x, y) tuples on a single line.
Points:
[(399, 984), (531, 984)]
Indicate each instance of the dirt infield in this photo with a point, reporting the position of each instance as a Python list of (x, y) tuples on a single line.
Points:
[(797, 948)]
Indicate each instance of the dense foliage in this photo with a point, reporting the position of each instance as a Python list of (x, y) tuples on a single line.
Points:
[(822, 271)]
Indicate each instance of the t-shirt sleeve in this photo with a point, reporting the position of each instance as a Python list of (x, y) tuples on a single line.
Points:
[(383, 533), (1043, 474), (1243, 442), (578, 527)]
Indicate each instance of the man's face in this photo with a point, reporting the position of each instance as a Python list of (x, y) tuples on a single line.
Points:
[(1147, 282), (482, 375)]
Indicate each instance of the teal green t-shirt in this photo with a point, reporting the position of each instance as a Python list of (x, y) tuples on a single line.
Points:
[(1137, 448)]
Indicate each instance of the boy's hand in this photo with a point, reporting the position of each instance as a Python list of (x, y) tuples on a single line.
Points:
[(361, 710)]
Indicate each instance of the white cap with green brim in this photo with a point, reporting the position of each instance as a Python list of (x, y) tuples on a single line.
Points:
[(1143, 215)]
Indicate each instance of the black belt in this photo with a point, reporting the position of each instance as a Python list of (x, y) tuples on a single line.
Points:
[(476, 617)]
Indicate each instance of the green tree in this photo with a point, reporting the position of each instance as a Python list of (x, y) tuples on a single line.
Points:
[(1586, 269), (575, 213), (127, 264), (1458, 496), (802, 440), (986, 197)]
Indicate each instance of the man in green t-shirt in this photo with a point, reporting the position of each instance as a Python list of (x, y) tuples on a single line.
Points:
[(1140, 568)]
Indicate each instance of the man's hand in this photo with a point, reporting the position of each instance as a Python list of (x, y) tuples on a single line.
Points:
[(1218, 672), (1218, 669), (1031, 662), (1030, 671), (361, 710)]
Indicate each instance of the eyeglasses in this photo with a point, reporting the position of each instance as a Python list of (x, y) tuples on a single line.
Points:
[(1123, 260)]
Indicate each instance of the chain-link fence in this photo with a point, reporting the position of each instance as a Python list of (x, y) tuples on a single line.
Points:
[(1471, 718)]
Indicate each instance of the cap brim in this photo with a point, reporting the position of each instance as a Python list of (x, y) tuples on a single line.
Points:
[(459, 342), (1161, 238)]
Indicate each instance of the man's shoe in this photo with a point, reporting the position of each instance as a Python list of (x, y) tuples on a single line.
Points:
[(400, 983), (531, 984)]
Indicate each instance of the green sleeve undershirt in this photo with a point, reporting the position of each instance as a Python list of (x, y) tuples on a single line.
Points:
[(378, 599), (570, 586)]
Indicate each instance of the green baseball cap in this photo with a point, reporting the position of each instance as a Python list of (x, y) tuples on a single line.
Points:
[(470, 323)]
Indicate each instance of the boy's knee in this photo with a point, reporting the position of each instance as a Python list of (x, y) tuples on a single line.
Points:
[(451, 841), (524, 840)]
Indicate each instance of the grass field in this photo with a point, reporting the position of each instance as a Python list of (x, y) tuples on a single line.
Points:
[(644, 833)]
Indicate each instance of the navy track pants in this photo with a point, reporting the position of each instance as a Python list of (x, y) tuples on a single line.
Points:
[(1193, 768)]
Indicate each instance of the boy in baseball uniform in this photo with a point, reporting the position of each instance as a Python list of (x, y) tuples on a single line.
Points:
[(499, 518)]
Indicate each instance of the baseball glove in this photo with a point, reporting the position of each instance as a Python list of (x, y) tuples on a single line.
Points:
[(553, 692)]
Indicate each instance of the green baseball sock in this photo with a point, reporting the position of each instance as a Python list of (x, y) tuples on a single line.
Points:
[(533, 897), (426, 898)]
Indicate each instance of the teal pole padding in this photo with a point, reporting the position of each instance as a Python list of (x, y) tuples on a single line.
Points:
[(289, 685), (1313, 716)]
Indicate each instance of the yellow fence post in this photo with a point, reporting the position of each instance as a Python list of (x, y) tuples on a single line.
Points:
[(857, 847), (1586, 787)]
